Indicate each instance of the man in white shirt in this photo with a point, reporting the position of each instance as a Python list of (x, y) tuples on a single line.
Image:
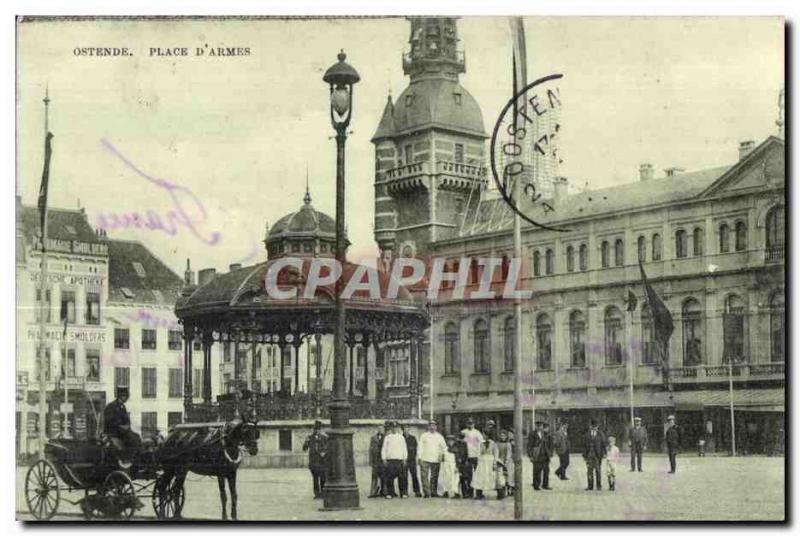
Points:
[(473, 439), (394, 455), (430, 449)]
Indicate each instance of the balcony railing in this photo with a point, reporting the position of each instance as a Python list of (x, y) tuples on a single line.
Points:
[(774, 253), (461, 169), (408, 170), (721, 372)]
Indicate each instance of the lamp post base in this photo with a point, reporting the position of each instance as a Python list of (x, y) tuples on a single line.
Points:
[(341, 488)]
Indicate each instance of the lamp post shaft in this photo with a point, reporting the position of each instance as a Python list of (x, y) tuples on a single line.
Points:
[(341, 488)]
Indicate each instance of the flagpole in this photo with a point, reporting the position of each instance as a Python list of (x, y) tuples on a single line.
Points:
[(631, 367), (44, 304), (65, 365), (733, 418)]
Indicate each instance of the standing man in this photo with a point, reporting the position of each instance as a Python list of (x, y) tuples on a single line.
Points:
[(411, 446), (638, 443), (593, 454), (431, 450), (317, 446), (394, 455), (117, 425), (561, 445), (539, 452), (376, 463), (673, 437), (473, 439), (464, 467), (490, 432)]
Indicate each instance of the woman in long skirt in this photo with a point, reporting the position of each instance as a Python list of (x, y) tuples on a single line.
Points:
[(448, 472), (485, 478), (505, 457)]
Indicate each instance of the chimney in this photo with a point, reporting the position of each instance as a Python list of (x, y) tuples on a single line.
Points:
[(672, 171), (745, 148), (559, 189), (235, 266), (188, 275), (645, 172), (206, 276)]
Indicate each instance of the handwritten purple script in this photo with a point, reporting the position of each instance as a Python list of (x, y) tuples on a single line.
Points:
[(183, 200)]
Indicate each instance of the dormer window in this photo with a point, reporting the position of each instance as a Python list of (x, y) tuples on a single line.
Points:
[(457, 98), (127, 292), (70, 229), (409, 100), (139, 269)]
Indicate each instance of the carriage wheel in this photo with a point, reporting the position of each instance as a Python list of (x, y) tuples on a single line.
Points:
[(168, 497), (118, 486), (41, 490)]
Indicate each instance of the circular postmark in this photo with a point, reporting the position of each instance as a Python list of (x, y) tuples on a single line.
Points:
[(524, 148)]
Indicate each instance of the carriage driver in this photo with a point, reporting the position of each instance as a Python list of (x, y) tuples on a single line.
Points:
[(117, 425)]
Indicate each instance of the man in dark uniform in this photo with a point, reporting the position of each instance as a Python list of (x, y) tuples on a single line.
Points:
[(638, 444), (540, 449), (376, 463), (464, 467), (117, 425), (673, 437), (411, 446), (561, 447), (317, 446), (593, 453)]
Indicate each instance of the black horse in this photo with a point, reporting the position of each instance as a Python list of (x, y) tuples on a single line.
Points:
[(209, 451)]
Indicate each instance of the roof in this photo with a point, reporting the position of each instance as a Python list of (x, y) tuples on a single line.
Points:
[(136, 275), (433, 102), (386, 126), (306, 222), (62, 224)]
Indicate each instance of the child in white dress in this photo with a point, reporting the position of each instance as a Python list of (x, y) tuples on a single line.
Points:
[(485, 478), (612, 459), (448, 472)]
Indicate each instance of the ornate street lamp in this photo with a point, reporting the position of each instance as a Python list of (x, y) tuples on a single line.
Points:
[(341, 488)]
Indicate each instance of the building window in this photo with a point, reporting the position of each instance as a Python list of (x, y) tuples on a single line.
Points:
[(604, 259), (724, 238), (619, 252), (656, 247), (149, 423), (174, 418), (148, 339), (197, 387), (452, 352), (409, 154), (93, 308), (648, 337), (741, 236), (473, 272), (733, 330), (295, 247), (175, 383), (680, 244), (481, 339), (459, 206), (777, 324), (692, 322), (509, 343), (504, 267), (537, 269), (226, 352), (47, 364), (92, 365), (548, 261), (641, 249), (570, 259), (70, 372), (583, 258), (459, 153), (285, 440), (68, 306), (614, 336), (577, 339), (175, 339), (38, 312), (149, 382), (775, 229), (544, 344), (122, 377), (398, 366), (122, 338), (308, 247), (697, 242)]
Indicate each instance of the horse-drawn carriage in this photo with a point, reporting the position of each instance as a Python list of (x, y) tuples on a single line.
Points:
[(113, 487)]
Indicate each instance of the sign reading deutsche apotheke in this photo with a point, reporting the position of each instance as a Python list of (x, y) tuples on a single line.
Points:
[(73, 335), (71, 279), (73, 246)]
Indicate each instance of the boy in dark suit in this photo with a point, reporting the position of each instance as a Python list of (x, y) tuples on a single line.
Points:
[(673, 438), (593, 453)]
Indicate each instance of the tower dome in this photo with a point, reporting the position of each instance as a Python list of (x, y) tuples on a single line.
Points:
[(306, 232)]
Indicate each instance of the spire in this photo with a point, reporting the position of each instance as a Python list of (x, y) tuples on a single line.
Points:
[(386, 126), (434, 52), (307, 197), (780, 121), (46, 102)]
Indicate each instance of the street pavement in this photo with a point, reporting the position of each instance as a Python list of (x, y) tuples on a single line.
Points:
[(713, 488)]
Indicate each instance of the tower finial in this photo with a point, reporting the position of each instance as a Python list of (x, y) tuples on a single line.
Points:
[(46, 102), (307, 197), (780, 121)]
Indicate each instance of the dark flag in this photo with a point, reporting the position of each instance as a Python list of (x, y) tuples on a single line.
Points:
[(45, 181), (731, 333), (662, 327), (631, 301)]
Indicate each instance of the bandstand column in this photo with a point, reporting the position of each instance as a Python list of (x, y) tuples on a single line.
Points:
[(413, 347), (351, 343), (188, 342), (208, 340), (365, 343), (281, 346), (236, 369), (297, 343), (253, 367), (318, 364)]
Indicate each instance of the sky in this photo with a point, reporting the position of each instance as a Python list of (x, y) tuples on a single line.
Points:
[(232, 139)]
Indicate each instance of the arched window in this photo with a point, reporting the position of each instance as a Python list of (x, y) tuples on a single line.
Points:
[(537, 269), (733, 329), (775, 232), (473, 272), (577, 339), (619, 252), (777, 324), (614, 336), (641, 249), (741, 236), (583, 258), (480, 334), (697, 242), (509, 343), (692, 322), (544, 344), (656, 247), (548, 261), (648, 337), (570, 259), (680, 244), (452, 350), (724, 238), (604, 254)]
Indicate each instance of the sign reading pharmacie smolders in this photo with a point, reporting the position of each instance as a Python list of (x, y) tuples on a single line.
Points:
[(96, 335), (76, 247)]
